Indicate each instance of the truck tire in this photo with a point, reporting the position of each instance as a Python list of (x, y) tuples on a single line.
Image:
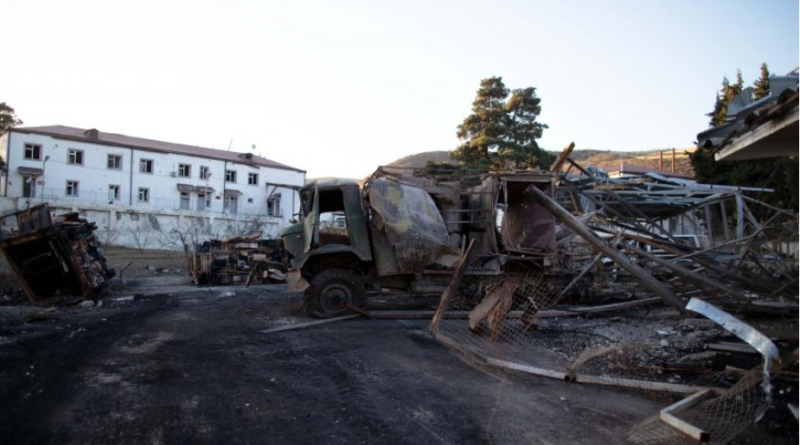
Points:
[(331, 290)]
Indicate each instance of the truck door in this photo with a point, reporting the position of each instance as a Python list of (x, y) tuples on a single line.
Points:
[(311, 222)]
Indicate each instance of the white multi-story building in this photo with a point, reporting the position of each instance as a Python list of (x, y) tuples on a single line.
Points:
[(107, 176)]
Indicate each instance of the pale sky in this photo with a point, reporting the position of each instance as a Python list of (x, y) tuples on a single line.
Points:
[(338, 88)]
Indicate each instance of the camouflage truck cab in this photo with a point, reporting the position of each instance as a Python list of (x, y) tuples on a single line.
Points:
[(328, 252)]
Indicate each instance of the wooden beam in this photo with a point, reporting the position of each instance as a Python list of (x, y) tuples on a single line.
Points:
[(452, 286), (667, 416), (559, 163)]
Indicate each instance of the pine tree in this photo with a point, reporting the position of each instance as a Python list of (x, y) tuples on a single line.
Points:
[(483, 130), (721, 105), (761, 85), (501, 132), (736, 88)]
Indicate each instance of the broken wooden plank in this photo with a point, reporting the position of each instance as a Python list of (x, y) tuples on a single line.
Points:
[(527, 369), (559, 162), (601, 380), (292, 327), (668, 416), (642, 384), (452, 287)]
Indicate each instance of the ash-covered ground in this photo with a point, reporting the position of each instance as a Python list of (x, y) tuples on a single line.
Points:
[(192, 366)]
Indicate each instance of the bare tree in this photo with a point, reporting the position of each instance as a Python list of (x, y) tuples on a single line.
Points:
[(142, 238), (108, 237)]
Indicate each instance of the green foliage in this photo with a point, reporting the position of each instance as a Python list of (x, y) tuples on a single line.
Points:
[(441, 168), (502, 130), (724, 97), (780, 174), (7, 118), (761, 85)]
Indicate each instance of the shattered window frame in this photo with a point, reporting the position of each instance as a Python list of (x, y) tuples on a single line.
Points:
[(184, 170), (114, 162), (144, 194), (33, 152), (113, 192), (72, 190), (230, 176), (252, 179), (75, 157), (146, 166)]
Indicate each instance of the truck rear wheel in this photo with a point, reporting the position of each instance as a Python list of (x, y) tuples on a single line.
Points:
[(331, 291)]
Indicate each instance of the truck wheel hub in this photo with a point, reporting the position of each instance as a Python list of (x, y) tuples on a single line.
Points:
[(334, 297)]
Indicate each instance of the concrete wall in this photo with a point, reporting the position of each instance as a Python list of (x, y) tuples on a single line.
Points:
[(120, 225)]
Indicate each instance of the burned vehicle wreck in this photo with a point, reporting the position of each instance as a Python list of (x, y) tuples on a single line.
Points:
[(54, 255), (405, 231)]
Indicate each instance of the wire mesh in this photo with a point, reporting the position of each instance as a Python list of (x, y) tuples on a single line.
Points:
[(489, 321), (722, 417), (496, 327)]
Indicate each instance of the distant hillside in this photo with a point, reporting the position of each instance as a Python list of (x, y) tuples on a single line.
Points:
[(605, 159), (421, 159)]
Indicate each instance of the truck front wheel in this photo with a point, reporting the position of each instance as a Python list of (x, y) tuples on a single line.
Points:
[(331, 291)]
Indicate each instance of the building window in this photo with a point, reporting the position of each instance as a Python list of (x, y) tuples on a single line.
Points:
[(113, 192), (184, 170), (33, 152), (204, 173), (230, 175), (144, 195), (146, 166), (72, 188), (231, 204), (74, 157), (252, 179), (114, 162), (274, 205)]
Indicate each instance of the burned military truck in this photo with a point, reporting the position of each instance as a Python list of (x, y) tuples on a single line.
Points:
[(405, 230)]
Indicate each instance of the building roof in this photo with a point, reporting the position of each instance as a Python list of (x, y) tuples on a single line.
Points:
[(120, 140), (753, 129), (631, 169)]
